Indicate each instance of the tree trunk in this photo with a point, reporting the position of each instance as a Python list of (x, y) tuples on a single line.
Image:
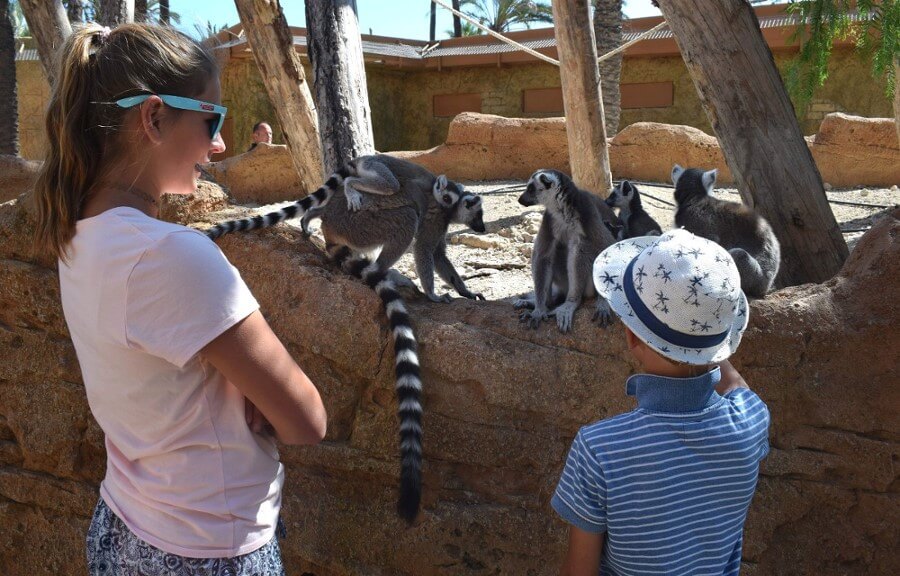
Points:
[(279, 65), (115, 12), (339, 79), (140, 10), (588, 153), (50, 27), (457, 22), (164, 12), (9, 111), (749, 109), (433, 24), (75, 10), (608, 31)]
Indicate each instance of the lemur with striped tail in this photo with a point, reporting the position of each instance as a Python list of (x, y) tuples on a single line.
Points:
[(573, 232), (420, 209), (635, 220), (746, 235)]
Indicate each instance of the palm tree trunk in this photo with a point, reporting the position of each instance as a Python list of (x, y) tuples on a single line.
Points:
[(49, 27), (457, 22), (749, 109), (339, 79), (75, 10), (431, 29), (9, 112), (115, 12), (608, 31), (140, 10), (586, 136), (272, 46), (164, 12)]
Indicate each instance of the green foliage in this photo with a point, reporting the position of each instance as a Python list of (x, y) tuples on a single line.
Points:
[(877, 35), (501, 15), (466, 29)]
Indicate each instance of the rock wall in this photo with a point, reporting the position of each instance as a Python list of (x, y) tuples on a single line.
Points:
[(849, 151), (263, 175), (502, 405)]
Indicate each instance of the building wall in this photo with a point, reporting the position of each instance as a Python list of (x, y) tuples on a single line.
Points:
[(33, 97), (403, 100)]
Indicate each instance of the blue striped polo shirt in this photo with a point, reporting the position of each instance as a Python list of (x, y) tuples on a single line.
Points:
[(670, 482)]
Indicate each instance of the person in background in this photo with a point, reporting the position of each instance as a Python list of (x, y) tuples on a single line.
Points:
[(262, 132)]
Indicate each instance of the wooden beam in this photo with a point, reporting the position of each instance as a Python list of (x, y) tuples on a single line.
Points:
[(50, 27), (585, 132)]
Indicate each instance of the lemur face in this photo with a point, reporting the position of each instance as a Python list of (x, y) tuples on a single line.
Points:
[(621, 195), (540, 185), (692, 182), (469, 211), (446, 192)]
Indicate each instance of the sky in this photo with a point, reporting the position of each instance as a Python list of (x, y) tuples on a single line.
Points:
[(396, 18)]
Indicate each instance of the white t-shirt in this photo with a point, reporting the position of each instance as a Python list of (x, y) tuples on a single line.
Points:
[(184, 472)]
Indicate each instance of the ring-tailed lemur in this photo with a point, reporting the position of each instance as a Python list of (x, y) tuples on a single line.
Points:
[(635, 220), (746, 235), (420, 210), (572, 234)]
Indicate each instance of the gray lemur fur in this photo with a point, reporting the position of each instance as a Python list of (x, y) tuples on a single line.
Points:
[(572, 233), (746, 235), (635, 220), (421, 209)]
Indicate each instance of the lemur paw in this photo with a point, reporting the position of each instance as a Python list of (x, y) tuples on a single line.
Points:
[(474, 296), (354, 200), (521, 303), (603, 313), (443, 298), (532, 318), (564, 314)]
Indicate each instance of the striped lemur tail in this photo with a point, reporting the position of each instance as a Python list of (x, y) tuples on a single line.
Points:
[(408, 380), (315, 200)]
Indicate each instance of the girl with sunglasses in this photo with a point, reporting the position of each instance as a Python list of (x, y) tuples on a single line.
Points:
[(181, 371)]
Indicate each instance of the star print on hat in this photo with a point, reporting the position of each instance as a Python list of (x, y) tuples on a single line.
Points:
[(679, 293)]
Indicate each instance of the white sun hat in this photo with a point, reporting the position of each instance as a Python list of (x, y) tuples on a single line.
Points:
[(679, 293)]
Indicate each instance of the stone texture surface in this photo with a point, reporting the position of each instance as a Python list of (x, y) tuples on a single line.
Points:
[(852, 151), (16, 176), (849, 150), (502, 405), (263, 175)]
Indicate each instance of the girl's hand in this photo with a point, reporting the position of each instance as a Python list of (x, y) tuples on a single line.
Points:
[(255, 419)]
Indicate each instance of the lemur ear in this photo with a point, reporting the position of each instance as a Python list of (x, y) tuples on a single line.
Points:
[(627, 187), (440, 183), (709, 178), (677, 171), (545, 180)]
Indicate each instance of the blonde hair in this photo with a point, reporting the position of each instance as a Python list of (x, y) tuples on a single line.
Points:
[(95, 67)]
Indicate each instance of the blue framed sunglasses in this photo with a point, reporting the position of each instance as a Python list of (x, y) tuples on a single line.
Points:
[(182, 103)]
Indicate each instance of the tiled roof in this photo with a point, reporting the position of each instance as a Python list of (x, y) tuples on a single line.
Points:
[(30, 54)]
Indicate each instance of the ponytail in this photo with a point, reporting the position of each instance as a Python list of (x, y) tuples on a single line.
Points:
[(96, 67)]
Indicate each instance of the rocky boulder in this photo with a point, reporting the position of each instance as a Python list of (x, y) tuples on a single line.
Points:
[(263, 175), (855, 151), (502, 405), (16, 176)]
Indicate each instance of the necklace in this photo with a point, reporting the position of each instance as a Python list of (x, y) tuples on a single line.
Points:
[(142, 195)]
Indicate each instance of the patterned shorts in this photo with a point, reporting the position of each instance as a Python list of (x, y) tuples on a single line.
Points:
[(114, 550)]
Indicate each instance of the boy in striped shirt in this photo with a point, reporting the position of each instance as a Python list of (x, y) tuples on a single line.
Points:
[(665, 488)]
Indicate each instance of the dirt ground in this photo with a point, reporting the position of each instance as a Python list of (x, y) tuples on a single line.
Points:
[(497, 263)]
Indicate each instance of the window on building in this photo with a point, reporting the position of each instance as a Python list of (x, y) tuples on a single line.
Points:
[(448, 105), (542, 101), (647, 95)]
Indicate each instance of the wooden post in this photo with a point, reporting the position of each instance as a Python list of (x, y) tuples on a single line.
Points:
[(897, 96), (50, 27), (608, 32), (339, 79), (279, 65), (586, 135), (749, 109)]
